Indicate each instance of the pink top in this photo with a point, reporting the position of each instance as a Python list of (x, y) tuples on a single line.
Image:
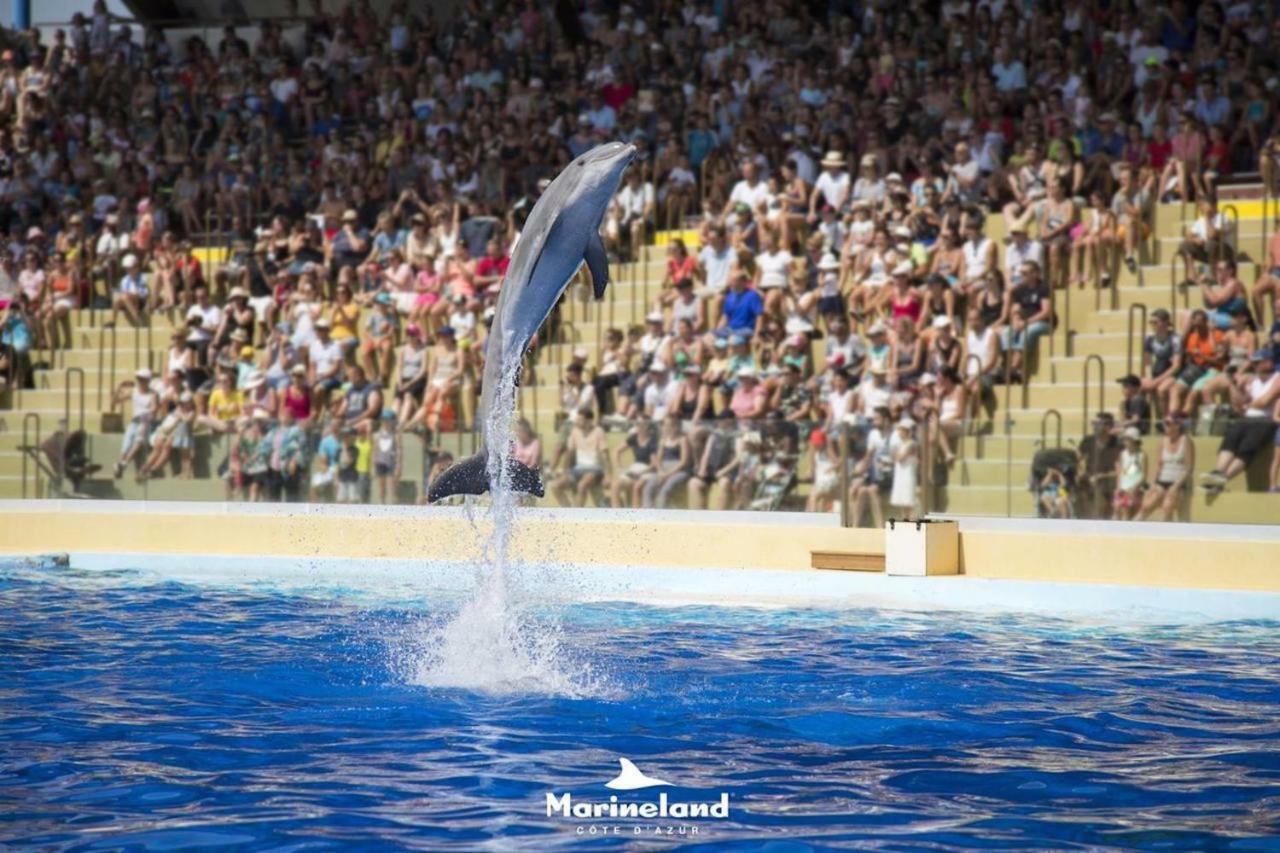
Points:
[(297, 402)]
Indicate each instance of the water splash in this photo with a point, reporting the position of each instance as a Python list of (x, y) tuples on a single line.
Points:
[(497, 643)]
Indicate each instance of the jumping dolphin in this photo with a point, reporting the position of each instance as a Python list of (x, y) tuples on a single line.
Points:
[(562, 231)]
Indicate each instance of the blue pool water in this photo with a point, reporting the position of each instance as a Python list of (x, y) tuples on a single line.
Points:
[(145, 714)]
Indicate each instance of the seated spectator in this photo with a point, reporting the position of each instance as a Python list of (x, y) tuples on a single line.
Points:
[(1266, 291), (1162, 355), (1177, 462), (1031, 317), (1098, 452), (378, 345), (587, 452), (1204, 355), (325, 361), (1131, 209), (742, 308), (1205, 241), (1135, 410), (173, 433), (130, 295), (1223, 294), (750, 399), (143, 411), (982, 367), (627, 487), (671, 464), (1131, 476), (1254, 396), (361, 405)]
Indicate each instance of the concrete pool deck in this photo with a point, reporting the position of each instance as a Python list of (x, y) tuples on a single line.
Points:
[(1162, 556)]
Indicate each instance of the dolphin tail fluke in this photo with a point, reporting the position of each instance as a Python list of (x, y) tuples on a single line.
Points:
[(471, 477)]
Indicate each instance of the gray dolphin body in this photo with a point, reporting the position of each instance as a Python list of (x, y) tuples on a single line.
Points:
[(562, 231)]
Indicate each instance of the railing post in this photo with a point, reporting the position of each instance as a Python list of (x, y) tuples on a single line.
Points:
[(1008, 443), (28, 448), (1102, 385), (1044, 428), (1232, 215), (846, 511), (77, 372), (1142, 324)]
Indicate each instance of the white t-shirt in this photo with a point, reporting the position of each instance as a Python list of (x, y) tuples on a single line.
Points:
[(834, 188), (749, 194), (773, 268), (717, 265), (1015, 256), (874, 397), (210, 319), (325, 356), (634, 200), (978, 345), (658, 399), (283, 89)]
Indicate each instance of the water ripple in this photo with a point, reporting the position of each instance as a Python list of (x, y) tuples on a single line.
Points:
[(158, 716)]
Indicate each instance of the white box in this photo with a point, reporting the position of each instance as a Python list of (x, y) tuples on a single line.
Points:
[(920, 548)]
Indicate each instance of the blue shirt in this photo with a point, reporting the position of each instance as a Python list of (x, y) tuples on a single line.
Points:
[(330, 448), (742, 309)]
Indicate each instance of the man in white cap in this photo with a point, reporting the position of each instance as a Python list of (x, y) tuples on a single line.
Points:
[(832, 186), (144, 403), (131, 294), (325, 360), (661, 392), (1021, 250)]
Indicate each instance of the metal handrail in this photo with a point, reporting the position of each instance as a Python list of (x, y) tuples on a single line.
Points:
[(102, 352), (137, 342), (846, 511), (597, 305), (968, 359), (15, 387), (1044, 428), (1142, 324), (28, 448), (1068, 346), (635, 287), (1232, 213), (640, 261), (1173, 289), (1102, 385), (77, 372), (1266, 221), (1053, 312), (1008, 445)]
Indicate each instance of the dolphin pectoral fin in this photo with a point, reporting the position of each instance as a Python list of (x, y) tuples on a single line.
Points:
[(468, 477), (598, 263)]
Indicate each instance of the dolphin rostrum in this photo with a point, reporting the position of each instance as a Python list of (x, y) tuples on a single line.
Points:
[(562, 231)]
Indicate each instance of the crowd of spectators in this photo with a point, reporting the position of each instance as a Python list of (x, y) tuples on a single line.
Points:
[(369, 175)]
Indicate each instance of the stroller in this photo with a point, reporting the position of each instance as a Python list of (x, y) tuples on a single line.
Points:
[(1053, 482), (63, 458)]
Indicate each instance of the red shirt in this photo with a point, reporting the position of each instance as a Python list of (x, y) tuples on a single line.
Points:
[(615, 95), (487, 267), (1159, 152)]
